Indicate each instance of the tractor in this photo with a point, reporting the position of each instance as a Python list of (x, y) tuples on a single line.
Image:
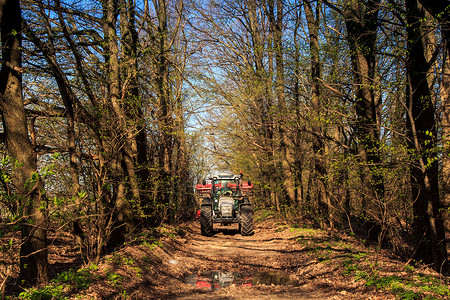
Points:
[(225, 201)]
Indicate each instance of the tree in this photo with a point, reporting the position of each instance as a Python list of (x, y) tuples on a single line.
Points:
[(133, 102), (428, 225), (445, 98), (165, 105), (27, 182), (275, 14), (318, 148), (361, 19), (441, 12)]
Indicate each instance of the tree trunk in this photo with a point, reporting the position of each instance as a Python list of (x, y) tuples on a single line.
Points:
[(287, 163), (137, 134), (445, 96), (165, 107), (296, 91), (361, 22), (428, 226), (439, 9), (318, 144), (28, 184), (120, 156)]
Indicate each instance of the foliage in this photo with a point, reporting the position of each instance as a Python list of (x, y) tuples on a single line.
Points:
[(59, 288), (48, 292), (78, 279)]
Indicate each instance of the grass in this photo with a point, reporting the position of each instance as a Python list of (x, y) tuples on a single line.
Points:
[(263, 214), (114, 279), (363, 266), (397, 285)]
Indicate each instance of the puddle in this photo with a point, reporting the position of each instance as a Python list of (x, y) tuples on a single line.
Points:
[(214, 280)]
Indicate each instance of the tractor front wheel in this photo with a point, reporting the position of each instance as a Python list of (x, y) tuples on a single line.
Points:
[(246, 224), (206, 221)]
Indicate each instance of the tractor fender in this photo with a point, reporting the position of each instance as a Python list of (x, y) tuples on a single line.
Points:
[(246, 205), (245, 202), (206, 201)]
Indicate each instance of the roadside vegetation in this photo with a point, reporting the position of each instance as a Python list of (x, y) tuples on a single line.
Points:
[(373, 267)]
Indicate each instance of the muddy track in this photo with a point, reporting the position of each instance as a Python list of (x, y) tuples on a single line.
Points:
[(277, 262), (271, 264)]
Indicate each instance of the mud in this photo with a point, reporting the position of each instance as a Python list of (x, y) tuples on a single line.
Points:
[(271, 264)]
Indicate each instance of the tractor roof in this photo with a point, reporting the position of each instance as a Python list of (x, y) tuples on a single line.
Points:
[(221, 176)]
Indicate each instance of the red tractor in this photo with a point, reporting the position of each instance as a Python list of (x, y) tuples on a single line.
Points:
[(225, 201)]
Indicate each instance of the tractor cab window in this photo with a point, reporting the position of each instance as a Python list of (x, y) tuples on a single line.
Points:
[(226, 191), (227, 188)]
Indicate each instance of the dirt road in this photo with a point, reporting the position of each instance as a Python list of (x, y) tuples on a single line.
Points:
[(278, 262), (275, 263)]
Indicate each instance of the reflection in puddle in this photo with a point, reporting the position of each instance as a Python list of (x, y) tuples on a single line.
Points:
[(214, 280)]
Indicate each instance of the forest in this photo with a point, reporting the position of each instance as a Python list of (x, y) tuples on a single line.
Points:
[(112, 110)]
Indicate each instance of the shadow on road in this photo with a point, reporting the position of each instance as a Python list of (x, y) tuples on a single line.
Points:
[(226, 230)]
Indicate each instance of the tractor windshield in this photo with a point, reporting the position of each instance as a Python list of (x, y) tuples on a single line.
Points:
[(226, 188)]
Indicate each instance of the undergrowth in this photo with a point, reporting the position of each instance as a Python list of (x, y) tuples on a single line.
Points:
[(262, 214), (363, 266), (73, 281), (66, 282)]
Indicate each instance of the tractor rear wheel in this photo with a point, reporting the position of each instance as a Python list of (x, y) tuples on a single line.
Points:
[(206, 222), (246, 224)]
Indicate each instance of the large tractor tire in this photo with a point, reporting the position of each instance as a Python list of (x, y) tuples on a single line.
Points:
[(246, 224), (206, 220)]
